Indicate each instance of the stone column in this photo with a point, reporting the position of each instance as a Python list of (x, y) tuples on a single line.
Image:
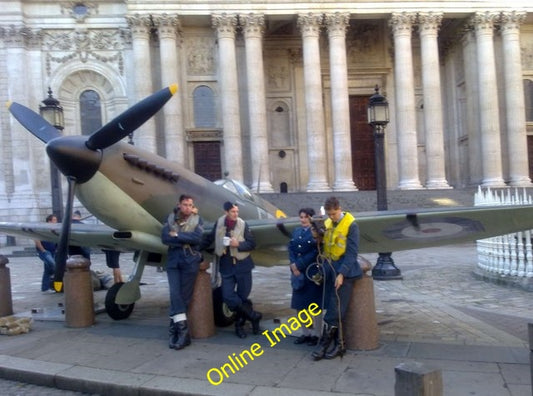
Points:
[(517, 157), (253, 26), (167, 27), (225, 26), (310, 25), (340, 107), (140, 26), (489, 122), (471, 108), (402, 24), (429, 24)]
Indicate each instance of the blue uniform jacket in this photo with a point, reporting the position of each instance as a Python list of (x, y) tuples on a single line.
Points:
[(184, 249)]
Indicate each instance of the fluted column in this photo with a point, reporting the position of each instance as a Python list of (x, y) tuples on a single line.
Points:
[(140, 26), (310, 25), (517, 156), (167, 27), (405, 101), (488, 100), (340, 108), (429, 24), (225, 26), (470, 112), (253, 26)]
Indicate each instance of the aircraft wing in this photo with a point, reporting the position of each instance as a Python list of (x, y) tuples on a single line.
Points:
[(391, 231), (91, 235), (386, 231)]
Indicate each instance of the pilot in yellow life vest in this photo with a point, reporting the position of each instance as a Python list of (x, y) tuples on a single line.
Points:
[(340, 246)]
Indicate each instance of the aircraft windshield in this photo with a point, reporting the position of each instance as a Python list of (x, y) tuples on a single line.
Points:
[(237, 188)]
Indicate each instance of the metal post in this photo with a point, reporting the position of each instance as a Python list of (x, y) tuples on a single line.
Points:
[(378, 118)]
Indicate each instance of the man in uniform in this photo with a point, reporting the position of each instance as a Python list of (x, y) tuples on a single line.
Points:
[(233, 243), (340, 247), (182, 233)]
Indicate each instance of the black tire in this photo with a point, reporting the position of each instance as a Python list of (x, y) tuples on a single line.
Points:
[(117, 311), (223, 315)]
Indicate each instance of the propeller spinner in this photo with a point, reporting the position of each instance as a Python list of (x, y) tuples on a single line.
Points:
[(79, 158)]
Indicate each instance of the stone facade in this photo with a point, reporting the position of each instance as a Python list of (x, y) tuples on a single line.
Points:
[(274, 88)]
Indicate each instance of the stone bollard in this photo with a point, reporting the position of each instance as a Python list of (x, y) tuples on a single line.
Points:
[(360, 325), (6, 303), (530, 332), (79, 300), (200, 317), (415, 379)]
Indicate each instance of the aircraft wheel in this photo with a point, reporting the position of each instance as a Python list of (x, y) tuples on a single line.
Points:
[(117, 311), (223, 315)]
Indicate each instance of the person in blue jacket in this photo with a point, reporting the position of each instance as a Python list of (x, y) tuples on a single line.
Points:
[(46, 251), (182, 233), (233, 243), (340, 248), (303, 252)]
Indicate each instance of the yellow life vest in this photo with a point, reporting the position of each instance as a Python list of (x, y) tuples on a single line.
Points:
[(335, 237)]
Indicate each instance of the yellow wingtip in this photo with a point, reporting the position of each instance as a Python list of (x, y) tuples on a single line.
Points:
[(173, 88), (9, 103)]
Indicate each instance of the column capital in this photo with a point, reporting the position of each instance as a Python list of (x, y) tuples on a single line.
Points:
[(337, 23), (225, 24), (140, 24), (167, 24), (484, 21), (310, 24), (429, 21), (252, 24), (511, 20), (402, 22)]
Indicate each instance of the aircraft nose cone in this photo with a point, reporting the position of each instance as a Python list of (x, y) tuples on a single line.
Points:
[(73, 158)]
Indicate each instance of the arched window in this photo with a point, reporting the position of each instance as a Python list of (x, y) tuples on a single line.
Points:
[(90, 112), (204, 107), (528, 93)]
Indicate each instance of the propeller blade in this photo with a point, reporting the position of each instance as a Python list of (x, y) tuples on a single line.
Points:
[(62, 247), (130, 120), (33, 122)]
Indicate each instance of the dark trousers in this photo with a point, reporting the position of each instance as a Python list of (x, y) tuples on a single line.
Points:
[(181, 287), (337, 302), (236, 288)]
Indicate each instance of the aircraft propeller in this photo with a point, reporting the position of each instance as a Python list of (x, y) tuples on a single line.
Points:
[(78, 157)]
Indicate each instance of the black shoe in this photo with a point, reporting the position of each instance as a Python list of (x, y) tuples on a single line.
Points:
[(239, 325), (325, 342), (253, 316), (301, 340), (184, 338), (312, 340), (338, 348), (172, 335)]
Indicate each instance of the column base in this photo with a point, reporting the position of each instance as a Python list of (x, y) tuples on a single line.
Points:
[(495, 182), (410, 185), (344, 185), (437, 184), (520, 182), (263, 187), (318, 187)]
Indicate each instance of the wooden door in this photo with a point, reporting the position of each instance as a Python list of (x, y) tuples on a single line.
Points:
[(530, 155), (362, 139), (207, 160)]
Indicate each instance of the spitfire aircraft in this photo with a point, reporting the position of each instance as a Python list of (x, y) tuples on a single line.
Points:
[(131, 191)]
